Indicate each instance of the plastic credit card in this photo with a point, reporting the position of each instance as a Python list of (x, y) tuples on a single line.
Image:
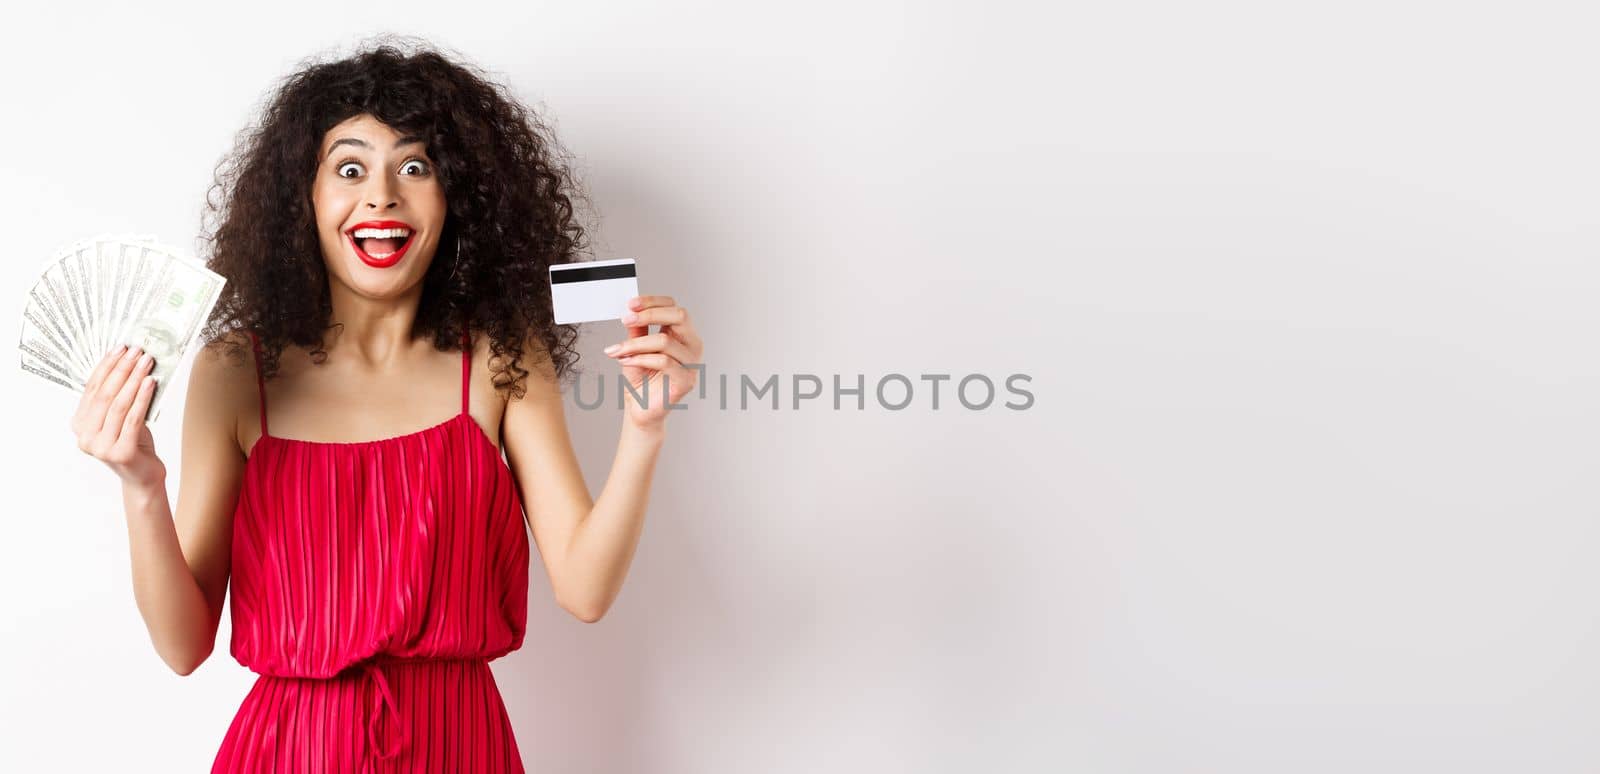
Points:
[(592, 290)]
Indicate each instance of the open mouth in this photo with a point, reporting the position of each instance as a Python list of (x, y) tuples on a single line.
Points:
[(380, 244)]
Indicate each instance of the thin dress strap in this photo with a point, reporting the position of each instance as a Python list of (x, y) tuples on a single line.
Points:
[(261, 385), (466, 369)]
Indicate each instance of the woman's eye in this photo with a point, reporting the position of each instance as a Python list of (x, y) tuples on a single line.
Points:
[(349, 165), (417, 165)]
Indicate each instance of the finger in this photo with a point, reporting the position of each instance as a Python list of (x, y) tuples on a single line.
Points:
[(119, 373), (102, 368), (141, 406), (690, 337), (637, 304), (677, 381), (672, 372), (657, 315), (656, 361), (91, 389), (645, 302), (130, 388), (655, 342)]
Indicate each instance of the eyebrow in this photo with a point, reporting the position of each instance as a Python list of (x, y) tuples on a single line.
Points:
[(406, 140)]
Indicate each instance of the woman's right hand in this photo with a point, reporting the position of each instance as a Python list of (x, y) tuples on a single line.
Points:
[(110, 423)]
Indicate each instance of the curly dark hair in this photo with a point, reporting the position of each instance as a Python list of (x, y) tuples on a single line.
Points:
[(509, 195)]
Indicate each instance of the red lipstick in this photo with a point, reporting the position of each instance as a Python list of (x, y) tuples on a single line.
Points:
[(387, 260)]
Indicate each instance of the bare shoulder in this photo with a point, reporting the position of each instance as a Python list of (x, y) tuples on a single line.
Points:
[(232, 349), (221, 378), (537, 380), (224, 364), (533, 365), (537, 371)]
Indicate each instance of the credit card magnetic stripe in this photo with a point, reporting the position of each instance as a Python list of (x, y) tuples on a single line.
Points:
[(589, 273)]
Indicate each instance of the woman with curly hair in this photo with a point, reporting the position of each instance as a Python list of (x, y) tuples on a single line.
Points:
[(375, 415)]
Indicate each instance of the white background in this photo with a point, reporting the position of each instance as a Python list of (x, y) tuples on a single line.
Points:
[(1307, 295)]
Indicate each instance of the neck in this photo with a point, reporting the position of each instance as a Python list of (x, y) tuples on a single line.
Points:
[(373, 330)]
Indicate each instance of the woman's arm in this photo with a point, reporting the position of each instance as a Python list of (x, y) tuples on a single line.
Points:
[(588, 545), (180, 563)]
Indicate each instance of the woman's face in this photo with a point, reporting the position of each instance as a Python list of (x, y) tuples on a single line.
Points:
[(379, 207)]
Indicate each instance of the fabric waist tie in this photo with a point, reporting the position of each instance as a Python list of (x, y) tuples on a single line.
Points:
[(383, 696)]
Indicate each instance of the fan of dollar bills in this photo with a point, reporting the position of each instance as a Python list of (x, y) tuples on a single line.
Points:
[(112, 290)]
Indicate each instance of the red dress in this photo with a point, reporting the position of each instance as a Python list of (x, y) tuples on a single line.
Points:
[(372, 583)]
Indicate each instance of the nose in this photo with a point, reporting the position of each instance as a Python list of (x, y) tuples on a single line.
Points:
[(380, 194)]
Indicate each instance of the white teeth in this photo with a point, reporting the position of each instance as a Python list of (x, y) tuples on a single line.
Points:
[(381, 233)]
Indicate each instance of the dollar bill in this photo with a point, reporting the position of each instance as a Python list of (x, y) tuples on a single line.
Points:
[(32, 367), (117, 289), (174, 306)]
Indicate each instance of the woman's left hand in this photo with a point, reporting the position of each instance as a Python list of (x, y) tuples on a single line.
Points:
[(654, 362)]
